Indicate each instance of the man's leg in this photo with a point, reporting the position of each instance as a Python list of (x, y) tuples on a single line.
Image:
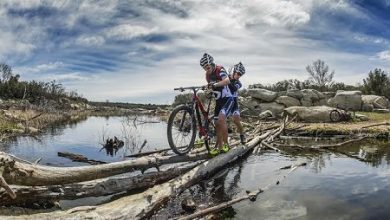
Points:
[(223, 129), (237, 122)]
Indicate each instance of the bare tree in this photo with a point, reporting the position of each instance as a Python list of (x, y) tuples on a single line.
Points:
[(6, 72), (319, 74)]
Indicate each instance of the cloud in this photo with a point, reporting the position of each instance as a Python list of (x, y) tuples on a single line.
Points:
[(139, 49), (384, 55), (90, 40), (128, 31)]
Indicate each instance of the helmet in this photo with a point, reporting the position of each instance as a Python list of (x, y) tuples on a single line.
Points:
[(239, 68), (206, 59)]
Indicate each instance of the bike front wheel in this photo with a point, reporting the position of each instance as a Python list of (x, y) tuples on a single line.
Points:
[(181, 129), (335, 116)]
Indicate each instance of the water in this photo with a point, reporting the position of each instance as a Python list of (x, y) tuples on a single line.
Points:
[(331, 185), (86, 138)]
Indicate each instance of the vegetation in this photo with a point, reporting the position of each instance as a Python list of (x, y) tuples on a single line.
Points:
[(35, 92), (128, 105), (319, 74), (377, 82)]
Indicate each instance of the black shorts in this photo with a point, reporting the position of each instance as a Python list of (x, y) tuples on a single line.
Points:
[(225, 106)]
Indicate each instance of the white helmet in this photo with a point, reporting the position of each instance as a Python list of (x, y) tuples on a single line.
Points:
[(206, 59), (239, 68)]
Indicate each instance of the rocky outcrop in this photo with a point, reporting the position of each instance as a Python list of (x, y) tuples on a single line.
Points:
[(263, 94), (310, 114), (348, 100), (376, 101)]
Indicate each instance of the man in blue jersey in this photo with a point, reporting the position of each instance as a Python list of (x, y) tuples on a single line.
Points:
[(235, 84)]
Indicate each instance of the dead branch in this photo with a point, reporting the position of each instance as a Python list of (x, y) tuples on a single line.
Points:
[(79, 158), (374, 125)]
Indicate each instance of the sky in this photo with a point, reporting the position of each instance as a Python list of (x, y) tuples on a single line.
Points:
[(139, 50)]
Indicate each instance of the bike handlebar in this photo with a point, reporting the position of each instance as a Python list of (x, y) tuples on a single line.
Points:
[(191, 87)]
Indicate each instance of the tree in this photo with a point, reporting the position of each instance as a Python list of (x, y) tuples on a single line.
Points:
[(377, 83), (6, 72), (320, 75)]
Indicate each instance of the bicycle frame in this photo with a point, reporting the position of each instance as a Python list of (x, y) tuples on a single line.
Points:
[(196, 104)]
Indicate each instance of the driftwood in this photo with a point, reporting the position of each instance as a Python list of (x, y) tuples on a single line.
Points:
[(142, 205), (20, 173), (250, 195), (374, 125), (100, 187), (79, 158)]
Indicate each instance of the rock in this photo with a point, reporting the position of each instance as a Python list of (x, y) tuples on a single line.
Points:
[(188, 205), (275, 108), (306, 102), (295, 93), (287, 101), (366, 107), (250, 103), (263, 94), (32, 130), (381, 110), (310, 114), (362, 117), (348, 100), (329, 95), (282, 93), (266, 114), (376, 101), (310, 94)]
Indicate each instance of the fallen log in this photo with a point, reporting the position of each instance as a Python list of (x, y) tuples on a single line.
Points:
[(100, 187), (142, 205), (79, 158), (250, 195), (19, 173)]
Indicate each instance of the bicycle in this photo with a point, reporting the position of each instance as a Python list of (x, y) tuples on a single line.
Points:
[(340, 114), (185, 118)]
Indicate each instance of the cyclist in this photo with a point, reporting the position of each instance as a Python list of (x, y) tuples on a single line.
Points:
[(237, 71), (218, 80)]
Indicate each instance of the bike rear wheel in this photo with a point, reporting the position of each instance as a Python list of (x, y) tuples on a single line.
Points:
[(335, 116), (181, 129)]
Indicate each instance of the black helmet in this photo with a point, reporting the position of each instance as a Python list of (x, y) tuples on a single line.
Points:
[(206, 59)]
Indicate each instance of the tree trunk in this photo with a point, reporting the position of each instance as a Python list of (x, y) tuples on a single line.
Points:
[(19, 173), (99, 187)]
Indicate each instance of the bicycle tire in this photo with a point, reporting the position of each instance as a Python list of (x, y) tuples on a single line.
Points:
[(335, 116), (186, 126), (210, 140)]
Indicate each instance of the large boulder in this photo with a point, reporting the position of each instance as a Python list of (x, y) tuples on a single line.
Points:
[(251, 104), (329, 95), (263, 94), (295, 93), (275, 108), (376, 101), (310, 94), (366, 107), (310, 114), (287, 101), (348, 100)]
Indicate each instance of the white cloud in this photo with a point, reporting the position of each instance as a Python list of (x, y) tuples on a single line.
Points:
[(128, 31), (384, 55), (90, 40)]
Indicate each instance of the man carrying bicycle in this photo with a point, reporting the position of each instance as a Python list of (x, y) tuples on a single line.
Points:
[(218, 80)]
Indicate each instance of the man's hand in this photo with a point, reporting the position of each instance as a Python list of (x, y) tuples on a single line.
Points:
[(211, 85)]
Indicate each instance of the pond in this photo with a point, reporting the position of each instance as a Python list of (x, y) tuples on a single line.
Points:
[(331, 186)]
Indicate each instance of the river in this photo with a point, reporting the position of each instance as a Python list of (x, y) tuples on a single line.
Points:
[(331, 185)]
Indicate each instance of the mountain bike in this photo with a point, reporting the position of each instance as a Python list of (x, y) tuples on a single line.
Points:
[(184, 120), (340, 114)]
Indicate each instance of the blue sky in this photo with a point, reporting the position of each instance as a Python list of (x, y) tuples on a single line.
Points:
[(138, 51)]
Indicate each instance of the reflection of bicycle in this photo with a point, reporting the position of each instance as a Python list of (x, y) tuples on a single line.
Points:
[(183, 121), (340, 114)]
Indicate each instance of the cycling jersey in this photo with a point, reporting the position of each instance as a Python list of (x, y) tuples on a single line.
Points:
[(218, 75), (234, 86)]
